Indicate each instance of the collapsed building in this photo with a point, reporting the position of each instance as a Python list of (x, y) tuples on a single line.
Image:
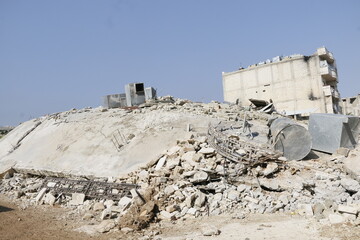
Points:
[(135, 94), (351, 105), (296, 84)]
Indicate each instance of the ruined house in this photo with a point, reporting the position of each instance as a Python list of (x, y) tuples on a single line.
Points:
[(296, 84), (351, 105)]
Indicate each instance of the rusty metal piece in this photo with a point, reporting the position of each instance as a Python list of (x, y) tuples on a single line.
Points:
[(227, 147), (91, 189)]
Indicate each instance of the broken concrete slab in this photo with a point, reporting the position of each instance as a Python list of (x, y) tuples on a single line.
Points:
[(200, 177), (77, 199), (350, 185), (40, 195), (160, 163), (98, 206), (94, 159), (336, 218), (210, 230), (348, 209), (49, 199)]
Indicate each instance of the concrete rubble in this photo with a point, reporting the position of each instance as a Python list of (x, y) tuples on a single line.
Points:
[(191, 179)]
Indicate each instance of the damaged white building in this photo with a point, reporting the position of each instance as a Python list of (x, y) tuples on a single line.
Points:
[(296, 84)]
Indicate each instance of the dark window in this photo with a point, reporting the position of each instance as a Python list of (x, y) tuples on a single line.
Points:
[(139, 87)]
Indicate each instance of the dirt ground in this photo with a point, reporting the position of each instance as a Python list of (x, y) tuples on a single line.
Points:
[(40, 222), (46, 222)]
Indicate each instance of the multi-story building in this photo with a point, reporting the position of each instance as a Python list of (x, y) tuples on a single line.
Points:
[(296, 84)]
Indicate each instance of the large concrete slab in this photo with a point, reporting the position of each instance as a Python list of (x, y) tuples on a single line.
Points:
[(85, 142)]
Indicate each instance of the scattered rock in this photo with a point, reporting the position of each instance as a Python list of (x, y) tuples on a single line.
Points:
[(350, 185), (347, 209), (160, 163), (210, 230), (200, 177), (336, 218), (343, 151), (270, 169), (40, 195), (77, 199), (98, 206), (49, 199)]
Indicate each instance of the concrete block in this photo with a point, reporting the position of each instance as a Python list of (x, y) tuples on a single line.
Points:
[(347, 209), (336, 218), (77, 199), (160, 163), (124, 202), (40, 195)]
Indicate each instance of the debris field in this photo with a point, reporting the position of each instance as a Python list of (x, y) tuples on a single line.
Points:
[(180, 160)]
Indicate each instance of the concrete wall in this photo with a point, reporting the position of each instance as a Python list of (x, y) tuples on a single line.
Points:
[(351, 105), (294, 84)]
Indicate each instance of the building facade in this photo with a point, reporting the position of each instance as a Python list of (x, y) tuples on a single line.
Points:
[(296, 84)]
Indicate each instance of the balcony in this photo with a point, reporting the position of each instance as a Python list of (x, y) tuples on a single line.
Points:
[(325, 54), (327, 71), (330, 91)]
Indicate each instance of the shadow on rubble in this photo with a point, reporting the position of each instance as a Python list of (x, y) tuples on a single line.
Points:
[(5, 209), (312, 155)]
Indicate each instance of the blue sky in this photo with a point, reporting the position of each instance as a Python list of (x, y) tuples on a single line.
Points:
[(58, 55)]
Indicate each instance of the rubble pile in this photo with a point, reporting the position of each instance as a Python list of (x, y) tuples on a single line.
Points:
[(195, 178)]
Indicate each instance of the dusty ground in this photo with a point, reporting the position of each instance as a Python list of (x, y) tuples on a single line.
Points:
[(40, 222), (46, 222)]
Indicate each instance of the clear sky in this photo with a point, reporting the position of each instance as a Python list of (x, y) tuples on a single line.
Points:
[(63, 54)]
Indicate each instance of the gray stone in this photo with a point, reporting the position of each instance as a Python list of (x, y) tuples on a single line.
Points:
[(165, 215), (189, 201), (172, 163), (200, 200), (105, 226), (40, 195), (116, 209), (106, 213), (127, 230), (336, 218), (87, 216), (18, 194), (200, 177), (77, 199), (143, 175), (124, 203), (169, 190), (347, 209), (284, 199), (233, 195), (188, 156), (109, 203), (350, 185), (210, 230), (250, 199), (160, 163), (138, 199), (241, 188), (343, 151), (270, 168), (207, 151), (191, 211), (318, 210), (272, 185), (49, 199), (98, 206), (197, 157), (306, 209), (173, 150), (218, 197)]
